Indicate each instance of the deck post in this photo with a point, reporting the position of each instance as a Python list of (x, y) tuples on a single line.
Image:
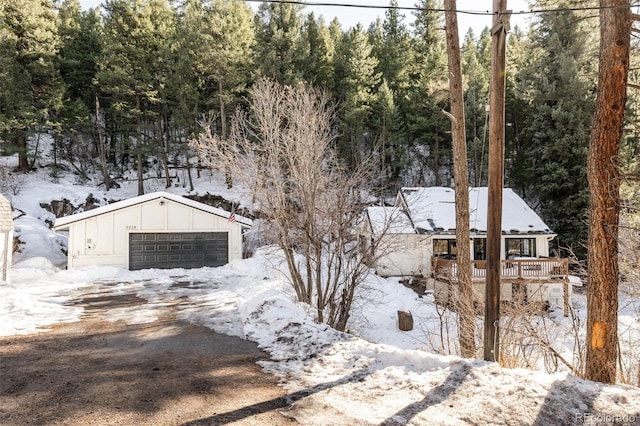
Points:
[(565, 294)]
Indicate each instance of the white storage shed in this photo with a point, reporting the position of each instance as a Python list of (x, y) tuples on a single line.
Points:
[(6, 238), (157, 230)]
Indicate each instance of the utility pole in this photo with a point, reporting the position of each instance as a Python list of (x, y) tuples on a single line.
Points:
[(496, 178)]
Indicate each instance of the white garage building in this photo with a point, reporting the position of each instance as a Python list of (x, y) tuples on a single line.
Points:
[(157, 230)]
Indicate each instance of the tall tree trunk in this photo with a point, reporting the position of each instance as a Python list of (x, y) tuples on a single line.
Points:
[(139, 149), (436, 160), (461, 179), (163, 134), (21, 145), (223, 127), (188, 165), (55, 147), (102, 152), (383, 157), (604, 184)]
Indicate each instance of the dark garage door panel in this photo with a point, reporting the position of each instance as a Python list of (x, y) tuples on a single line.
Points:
[(178, 250)]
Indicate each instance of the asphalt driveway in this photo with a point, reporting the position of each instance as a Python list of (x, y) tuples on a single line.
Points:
[(165, 372)]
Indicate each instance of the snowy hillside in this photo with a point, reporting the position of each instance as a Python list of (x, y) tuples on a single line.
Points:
[(376, 374)]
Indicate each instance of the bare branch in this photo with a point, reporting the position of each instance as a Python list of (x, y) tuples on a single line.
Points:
[(281, 151)]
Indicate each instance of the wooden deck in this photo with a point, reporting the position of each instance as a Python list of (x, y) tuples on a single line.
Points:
[(550, 270), (539, 271)]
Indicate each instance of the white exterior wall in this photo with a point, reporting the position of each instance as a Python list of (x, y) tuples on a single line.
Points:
[(6, 253), (104, 239), (6, 238), (404, 255), (542, 246)]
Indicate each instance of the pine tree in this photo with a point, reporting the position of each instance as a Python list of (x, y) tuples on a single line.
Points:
[(427, 127), (317, 49), (188, 81), (385, 115), (559, 89), (476, 99), (160, 21), (191, 79), (278, 42), (228, 41), (213, 48), (81, 35), (394, 52), (134, 72), (81, 44), (429, 43), (30, 85), (391, 45), (356, 81), (516, 113)]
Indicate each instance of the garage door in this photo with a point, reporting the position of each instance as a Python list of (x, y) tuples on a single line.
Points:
[(178, 250)]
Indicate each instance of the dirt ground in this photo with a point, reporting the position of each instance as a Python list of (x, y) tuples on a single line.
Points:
[(168, 372)]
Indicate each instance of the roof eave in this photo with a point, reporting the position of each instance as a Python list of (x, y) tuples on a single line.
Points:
[(64, 223)]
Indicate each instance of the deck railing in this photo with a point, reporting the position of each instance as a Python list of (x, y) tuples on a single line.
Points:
[(523, 271), (534, 269)]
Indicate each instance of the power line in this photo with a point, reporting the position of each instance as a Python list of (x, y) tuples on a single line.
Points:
[(416, 9)]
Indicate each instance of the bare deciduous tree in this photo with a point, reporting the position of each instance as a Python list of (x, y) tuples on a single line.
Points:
[(10, 183), (282, 152)]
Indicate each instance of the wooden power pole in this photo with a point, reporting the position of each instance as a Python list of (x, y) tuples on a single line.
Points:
[(496, 178)]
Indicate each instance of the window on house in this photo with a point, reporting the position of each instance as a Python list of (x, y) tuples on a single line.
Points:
[(480, 248), (445, 248), (520, 247)]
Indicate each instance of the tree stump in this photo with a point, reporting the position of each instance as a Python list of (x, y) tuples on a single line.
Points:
[(405, 321)]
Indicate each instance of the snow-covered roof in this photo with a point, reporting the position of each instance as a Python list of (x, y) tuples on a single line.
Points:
[(389, 220), (433, 210), (6, 220), (430, 209), (64, 221)]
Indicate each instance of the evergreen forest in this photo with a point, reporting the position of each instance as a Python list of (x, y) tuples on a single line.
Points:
[(123, 88)]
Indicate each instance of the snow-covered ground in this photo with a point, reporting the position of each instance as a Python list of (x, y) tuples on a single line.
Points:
[(374, 374)]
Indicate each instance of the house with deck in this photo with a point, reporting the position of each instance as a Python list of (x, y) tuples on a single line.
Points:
[(416, 237)]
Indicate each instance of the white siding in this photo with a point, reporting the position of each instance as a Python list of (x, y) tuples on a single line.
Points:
[(154, 215), (124, 222), (202, 221), (179, 217), (99, 235), (6, 238), (6, 252), (542, 245), (403, 255)]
